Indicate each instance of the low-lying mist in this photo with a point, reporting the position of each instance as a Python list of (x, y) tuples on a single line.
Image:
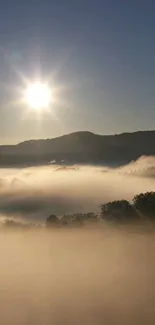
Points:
[(87, 277), (33, 193), (98, 275)]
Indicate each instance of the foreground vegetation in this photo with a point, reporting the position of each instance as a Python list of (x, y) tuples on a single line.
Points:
[(142, 208)]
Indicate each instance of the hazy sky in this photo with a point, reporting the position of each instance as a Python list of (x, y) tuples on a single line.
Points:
[(99, 54)]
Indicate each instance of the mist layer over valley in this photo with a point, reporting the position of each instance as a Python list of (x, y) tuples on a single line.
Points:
[(96, 275), (31, 194)]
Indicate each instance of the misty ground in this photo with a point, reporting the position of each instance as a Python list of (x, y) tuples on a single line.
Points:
[(97, 275)]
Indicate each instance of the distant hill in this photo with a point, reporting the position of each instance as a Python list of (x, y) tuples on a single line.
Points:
[(81, 147)]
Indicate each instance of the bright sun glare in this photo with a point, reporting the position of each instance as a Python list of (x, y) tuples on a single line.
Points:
[(38, 95)]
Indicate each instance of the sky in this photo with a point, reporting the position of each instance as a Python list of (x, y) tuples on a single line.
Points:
[(99, 56)]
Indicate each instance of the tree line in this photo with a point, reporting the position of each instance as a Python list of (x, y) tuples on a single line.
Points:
[(140, 209)]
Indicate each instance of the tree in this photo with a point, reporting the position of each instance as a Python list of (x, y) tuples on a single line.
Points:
[(75, 219), (117, 211), (145, 204), (12, 224), (66, 220), (52, 221), (78, 219), (90, 217)]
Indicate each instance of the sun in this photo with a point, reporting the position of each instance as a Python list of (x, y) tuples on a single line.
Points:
[(38, 95)]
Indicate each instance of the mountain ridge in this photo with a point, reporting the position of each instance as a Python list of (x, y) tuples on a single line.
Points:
[(81, 147), (84, 132)]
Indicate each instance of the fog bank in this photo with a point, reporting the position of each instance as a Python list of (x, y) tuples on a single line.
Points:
[(34, 193)]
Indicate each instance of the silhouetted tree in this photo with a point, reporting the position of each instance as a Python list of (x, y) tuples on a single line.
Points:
[(12, 224), (90, 217), (145, 204), (66, 220), (75, 219), (52, 221), (117, 211), (78, 219)]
